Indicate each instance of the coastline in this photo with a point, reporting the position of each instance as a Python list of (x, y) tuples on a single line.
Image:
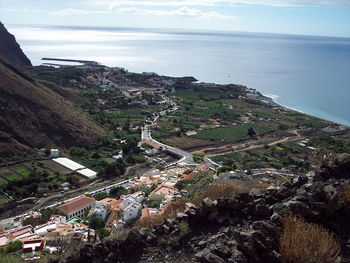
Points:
[(274, 98)]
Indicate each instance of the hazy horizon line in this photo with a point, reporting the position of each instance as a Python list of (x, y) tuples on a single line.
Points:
[(181, 30)]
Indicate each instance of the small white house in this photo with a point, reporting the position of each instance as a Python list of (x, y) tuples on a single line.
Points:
[(100, 210), (127, 201), (132, 198), (132, 212), (54, 153)]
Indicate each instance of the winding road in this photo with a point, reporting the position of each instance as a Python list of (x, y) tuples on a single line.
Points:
[(186, 157)]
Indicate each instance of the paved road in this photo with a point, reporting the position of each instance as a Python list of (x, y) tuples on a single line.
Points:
[(186, 157)]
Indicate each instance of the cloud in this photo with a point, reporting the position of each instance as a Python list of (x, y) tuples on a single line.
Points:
[(110, 4), (181, 12)]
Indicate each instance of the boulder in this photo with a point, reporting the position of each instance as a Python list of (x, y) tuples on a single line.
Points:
[(255, 192), (181, 216), (299, 181), (205, 256)]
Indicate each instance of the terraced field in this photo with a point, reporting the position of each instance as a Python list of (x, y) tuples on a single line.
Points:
[(9, 175), (231, 133)]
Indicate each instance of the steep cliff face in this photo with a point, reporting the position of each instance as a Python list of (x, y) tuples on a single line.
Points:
[(10, 50), (34, 116)]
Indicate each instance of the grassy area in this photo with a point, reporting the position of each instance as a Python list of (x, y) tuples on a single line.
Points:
[(278, 156), (331, 143), (2, 171), (11, 176), (196, 185), (3, 182), (232, 133), (4, 199), (23, 172)]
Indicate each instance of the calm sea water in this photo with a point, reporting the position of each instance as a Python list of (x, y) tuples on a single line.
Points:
[(310, 74)]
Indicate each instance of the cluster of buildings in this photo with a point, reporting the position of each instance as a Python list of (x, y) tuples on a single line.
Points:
[(37, 237), (120, 79), (150, 194)]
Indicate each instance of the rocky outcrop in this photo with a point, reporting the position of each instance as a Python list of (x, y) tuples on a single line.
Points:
[(242, 229), (10, 50)]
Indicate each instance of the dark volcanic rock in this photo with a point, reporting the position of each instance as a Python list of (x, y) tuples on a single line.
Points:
[(241, 229)]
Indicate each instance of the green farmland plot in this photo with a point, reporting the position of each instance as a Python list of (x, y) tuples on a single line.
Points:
[(3, 182), (232, 133), (10, 176), (23, 172)]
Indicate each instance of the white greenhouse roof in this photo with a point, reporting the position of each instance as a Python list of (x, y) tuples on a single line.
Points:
[(87, 173), (68, 163)]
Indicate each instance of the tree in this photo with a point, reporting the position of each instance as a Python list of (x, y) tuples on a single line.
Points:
[(130, 146), (62, 244), (65, 244), (251, 132), (14, 246), (117, 192), (46, 213), (182, 184), (77, 151), (95, 222), (127, 126), (100, 196), (113, 169), (198, 157), (282, 126), (102, 233)]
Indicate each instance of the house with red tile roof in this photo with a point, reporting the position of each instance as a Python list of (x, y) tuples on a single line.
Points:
[(77, 207), (114, 204), (165, 190), (60, 228)]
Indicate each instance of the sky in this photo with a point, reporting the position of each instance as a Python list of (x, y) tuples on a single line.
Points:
[(305, 17)]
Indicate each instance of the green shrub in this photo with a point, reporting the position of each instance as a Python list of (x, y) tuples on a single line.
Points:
[(14, 246)]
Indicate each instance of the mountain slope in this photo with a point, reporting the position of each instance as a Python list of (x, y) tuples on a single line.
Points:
[(34, 116), (10, 50)]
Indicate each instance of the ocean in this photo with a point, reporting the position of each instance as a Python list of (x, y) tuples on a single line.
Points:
[(306, 73)]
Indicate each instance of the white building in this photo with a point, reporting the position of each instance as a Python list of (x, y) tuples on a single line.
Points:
[(132, 212), (45, 228), (78, 207), (132, 198), (100, 210), (54, 153)]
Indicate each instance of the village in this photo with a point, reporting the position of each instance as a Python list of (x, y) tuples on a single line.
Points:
[(81, 219), (175, 175)]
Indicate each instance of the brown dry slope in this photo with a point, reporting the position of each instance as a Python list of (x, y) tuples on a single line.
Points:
[(10, 50), (34, 116)]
